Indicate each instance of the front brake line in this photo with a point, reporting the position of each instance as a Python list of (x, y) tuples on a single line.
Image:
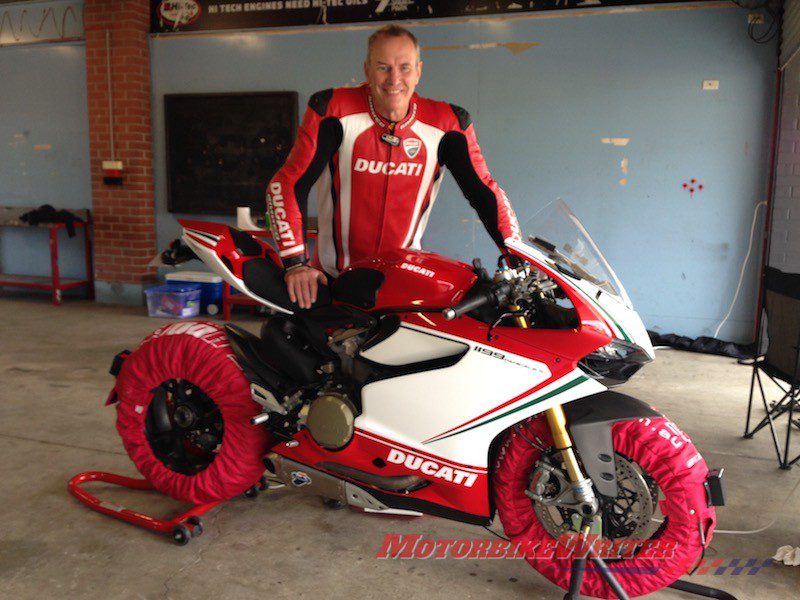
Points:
[(541, 448)]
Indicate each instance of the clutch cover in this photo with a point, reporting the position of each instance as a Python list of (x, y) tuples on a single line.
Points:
[(330, 420)]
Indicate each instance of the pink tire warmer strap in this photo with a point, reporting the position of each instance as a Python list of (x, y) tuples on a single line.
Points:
[(663, 452), (199, 353)]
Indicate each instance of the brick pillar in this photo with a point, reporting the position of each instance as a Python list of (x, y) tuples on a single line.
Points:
[(124, 215)]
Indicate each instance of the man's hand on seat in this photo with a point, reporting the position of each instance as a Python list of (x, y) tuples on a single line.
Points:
[(302, 282)]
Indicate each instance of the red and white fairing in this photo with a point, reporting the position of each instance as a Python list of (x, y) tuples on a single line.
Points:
[(447, 418), (440, 423)]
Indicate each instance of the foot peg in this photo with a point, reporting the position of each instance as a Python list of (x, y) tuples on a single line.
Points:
[(334, 504), (253, 491)]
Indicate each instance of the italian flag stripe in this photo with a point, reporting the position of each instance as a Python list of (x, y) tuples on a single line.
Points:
[(567, 386)]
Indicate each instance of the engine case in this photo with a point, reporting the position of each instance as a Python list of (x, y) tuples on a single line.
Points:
[(330, 420)]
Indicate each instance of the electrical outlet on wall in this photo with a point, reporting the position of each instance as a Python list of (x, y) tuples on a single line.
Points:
[(711, 84)]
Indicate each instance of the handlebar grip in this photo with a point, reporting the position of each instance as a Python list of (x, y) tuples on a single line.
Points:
[(496, 295)]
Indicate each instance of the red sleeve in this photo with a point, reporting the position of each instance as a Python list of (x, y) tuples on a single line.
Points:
[(460, 153), (285, 209), (507, 224), (318, 138)]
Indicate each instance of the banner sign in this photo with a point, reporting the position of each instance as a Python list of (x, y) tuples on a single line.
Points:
[(210, 15)]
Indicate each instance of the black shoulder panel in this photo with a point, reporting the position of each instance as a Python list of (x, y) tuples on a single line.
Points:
[(319, 101), (454, 154), (329, 138), (464, 120)]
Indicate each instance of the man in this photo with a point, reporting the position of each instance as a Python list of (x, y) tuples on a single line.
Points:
[(375, 153)]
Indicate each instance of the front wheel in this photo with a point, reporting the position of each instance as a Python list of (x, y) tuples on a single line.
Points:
[(657, 468)]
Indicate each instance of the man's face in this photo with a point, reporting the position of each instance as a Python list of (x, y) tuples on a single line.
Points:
[(392, 72)]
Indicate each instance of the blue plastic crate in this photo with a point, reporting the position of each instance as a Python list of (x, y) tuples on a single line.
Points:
[(173, 300), (210, 288)]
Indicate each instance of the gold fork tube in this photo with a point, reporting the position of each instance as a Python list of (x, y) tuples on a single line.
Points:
[(521, 320), (557, 422)]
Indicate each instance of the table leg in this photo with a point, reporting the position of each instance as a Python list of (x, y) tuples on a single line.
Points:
[(54, 274), (226, 301), (89, 261)]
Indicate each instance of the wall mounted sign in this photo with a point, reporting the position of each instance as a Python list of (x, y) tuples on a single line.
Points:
[(28, 23), (210, 15)]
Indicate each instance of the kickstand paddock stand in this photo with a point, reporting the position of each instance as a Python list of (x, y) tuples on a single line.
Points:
[(700, 590), (579, 568), (182, 527)]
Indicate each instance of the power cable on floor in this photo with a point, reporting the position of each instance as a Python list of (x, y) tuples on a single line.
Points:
[(741, 274), (760, 529), (768, 525)]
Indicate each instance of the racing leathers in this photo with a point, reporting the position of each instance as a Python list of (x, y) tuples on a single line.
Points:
[(376, 181)]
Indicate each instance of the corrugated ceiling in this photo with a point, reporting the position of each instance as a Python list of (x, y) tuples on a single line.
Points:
[(790, 38)]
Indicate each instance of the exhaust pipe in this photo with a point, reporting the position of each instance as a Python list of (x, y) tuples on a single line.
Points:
[(308, 479)]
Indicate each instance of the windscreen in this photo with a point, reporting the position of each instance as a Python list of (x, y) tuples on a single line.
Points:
[(559, 235)]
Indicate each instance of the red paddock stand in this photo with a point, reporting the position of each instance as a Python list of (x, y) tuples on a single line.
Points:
[(182, 527)]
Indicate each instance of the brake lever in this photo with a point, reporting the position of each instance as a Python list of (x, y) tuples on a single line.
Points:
[(497, 321)]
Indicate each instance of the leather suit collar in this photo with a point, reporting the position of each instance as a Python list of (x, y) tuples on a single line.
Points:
[(384, 123)]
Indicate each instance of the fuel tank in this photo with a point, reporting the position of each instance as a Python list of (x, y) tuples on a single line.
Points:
[(411, 279)]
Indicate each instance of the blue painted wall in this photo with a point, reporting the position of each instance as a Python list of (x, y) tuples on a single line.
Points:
[(44, 149), (541, 115)]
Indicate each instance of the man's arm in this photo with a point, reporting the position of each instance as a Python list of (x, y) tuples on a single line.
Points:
[(460, 153), (287, 195)]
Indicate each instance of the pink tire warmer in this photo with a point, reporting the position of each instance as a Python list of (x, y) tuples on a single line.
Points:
[(197, 352), (663, 452)]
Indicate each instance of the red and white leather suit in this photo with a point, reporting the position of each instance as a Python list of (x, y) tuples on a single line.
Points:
[(376, 181)]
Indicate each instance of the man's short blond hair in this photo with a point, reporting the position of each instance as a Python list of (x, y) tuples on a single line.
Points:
[(391, 31)]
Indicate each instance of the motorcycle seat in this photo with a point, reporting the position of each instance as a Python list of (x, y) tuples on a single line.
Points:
[(357, 287), (265, 279)]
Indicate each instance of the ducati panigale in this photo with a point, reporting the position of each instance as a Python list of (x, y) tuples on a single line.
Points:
[(420, 384)]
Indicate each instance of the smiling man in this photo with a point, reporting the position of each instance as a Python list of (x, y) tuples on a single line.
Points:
[(376, 155)]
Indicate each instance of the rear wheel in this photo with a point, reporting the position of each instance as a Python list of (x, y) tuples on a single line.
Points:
[(184, 414), (657, 468), (184, 427)]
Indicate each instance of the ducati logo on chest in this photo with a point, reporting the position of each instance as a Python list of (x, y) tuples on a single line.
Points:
[(411, 146)]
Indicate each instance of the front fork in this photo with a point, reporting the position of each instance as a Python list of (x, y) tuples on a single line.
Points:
[(557, 422), (581, 485)]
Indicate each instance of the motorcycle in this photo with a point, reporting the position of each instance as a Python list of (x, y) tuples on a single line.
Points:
[(418, 384)]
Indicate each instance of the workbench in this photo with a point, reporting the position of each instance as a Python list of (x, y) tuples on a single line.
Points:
[(10, 218)]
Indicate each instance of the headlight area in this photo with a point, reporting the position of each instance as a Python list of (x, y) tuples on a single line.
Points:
[(614, 363)]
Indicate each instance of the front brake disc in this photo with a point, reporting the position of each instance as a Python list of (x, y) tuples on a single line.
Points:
[(625, 517)]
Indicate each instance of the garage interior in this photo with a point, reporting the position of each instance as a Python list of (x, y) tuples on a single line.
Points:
[(671, 129)]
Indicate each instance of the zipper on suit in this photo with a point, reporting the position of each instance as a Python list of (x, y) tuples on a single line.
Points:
[(385, 190)]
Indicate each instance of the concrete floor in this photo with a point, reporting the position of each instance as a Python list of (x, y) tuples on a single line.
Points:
[(54, 364)]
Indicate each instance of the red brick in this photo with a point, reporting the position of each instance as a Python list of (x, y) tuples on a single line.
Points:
[(124, 216)]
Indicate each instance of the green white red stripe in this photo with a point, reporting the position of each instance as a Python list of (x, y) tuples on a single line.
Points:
[(498, 413)]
